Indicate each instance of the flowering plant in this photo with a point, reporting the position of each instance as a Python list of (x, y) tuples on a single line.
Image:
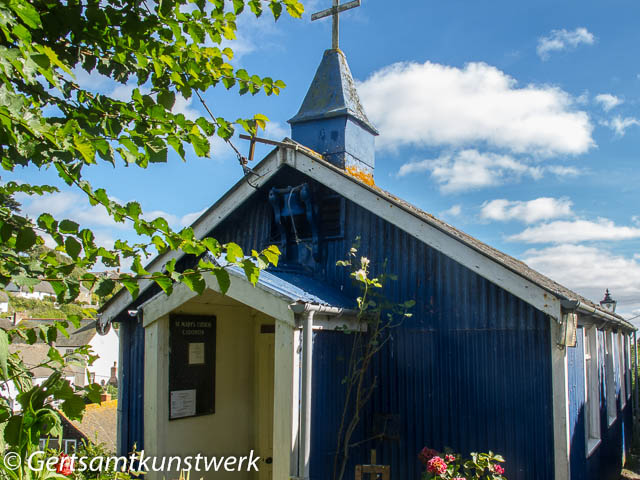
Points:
[(65, 465), (450, 466)]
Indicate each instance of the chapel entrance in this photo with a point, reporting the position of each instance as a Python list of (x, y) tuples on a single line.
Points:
[(265, 347)]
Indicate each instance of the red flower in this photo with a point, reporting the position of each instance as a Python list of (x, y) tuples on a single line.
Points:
[(427, 454), (436, 465), (65, 465), (498, 469), (449, 458)]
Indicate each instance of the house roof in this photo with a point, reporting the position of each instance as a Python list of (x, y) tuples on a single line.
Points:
[(270, 164), (42, 287), (99, 423), (508, 261), (36, 354), (295, 287), (78, 337)]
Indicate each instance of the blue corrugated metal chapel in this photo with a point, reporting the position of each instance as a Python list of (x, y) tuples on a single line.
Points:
[(495, 357)]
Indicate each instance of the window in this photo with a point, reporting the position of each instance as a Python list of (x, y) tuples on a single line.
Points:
[(622, 368), (48, 443), (610, 377), (69, 446), (591, 388)]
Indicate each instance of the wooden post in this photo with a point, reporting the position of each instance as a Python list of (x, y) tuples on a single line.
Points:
[(370, 470)]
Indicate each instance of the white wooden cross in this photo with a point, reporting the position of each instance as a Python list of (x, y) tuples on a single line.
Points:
[(335, 12)]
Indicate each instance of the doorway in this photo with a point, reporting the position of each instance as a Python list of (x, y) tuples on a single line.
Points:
[(265, 348)]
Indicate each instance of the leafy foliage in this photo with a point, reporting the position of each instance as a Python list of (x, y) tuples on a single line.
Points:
[(47, 120), (44, 308), (36, 413)]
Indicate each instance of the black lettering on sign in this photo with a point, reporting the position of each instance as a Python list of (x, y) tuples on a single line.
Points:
[(192, 365)]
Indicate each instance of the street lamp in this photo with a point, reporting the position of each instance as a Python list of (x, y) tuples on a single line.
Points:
[(608, 303)]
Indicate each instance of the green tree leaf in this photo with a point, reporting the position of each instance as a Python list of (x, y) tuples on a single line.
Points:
[(72, 247), (224, 281), (25, 239), (4, 353)]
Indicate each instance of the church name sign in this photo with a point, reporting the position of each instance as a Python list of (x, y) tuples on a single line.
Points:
[(192, 369)]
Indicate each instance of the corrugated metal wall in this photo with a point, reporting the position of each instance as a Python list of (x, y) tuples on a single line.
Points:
[(131, 388), (471, 369), (575, 362), (605, 461)]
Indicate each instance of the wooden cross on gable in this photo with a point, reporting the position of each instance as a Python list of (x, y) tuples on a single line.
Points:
[(335, 12)]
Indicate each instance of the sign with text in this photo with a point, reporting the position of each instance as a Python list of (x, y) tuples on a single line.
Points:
[(192, 365)]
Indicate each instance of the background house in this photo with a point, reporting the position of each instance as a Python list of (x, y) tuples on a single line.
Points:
[(41, 291), (98, 427), (105, 346), (102, 371), (4, 302), (33, 356)]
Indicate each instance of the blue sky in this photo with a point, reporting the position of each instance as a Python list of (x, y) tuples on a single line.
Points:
[(516, 122)]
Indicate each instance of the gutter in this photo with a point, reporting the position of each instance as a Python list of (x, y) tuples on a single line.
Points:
[(577, 305), (308, 310)]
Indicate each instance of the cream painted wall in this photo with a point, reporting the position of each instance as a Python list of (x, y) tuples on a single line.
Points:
[(232, 429)]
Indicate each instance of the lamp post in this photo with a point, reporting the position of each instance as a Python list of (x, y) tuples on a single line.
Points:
[(608, 303)]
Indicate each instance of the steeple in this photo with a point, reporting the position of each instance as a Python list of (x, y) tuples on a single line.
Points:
[(331, 120)]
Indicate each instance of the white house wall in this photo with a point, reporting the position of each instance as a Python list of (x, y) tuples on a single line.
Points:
[(106, 347)]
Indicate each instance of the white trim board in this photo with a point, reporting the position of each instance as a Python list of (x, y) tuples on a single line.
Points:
[(241, 290), (370, 200)]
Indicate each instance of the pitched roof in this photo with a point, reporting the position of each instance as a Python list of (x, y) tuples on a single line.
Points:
[(36, 354), (266, 169), (78, 337), (99, 423), (296, 287)]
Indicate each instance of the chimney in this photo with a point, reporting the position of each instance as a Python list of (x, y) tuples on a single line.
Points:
[(113, 379), (332, 122)]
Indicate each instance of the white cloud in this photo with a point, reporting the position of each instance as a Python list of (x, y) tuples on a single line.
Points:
[(185, 107), (471, 169), (72, 206), (123, 92), (276, 130), (576, 231), (619, 125), (543, 208), (175, 221), (433, 104), (189, 218), (559, 40), (563, 171), (454, 211), (608, 101), (54, 203), (589, 271)]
